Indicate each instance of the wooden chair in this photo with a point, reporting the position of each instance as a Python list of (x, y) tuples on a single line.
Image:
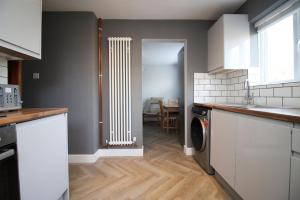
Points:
[(169, 115), (150, 111)]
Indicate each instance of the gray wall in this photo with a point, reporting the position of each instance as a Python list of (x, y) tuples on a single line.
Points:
[(68, 75), (258, 8), (194, 31)]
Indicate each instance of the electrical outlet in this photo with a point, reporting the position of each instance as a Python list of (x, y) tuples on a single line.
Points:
[(36, 75), (134, 139)]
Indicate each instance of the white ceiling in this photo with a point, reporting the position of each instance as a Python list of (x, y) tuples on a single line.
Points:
[(148, 9), (160, 53)]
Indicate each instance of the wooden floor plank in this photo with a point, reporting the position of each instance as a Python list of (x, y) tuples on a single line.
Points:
[(163, 173)]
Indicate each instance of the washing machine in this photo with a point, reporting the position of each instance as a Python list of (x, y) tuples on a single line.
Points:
[(200, 135)]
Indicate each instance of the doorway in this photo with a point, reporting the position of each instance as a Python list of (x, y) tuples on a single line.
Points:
[(163, 68)]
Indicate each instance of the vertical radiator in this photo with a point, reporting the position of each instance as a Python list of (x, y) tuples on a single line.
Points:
[(119, 91)]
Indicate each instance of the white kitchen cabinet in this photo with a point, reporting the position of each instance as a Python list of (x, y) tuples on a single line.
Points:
[(263, 158), (43, 158), (223, 136), (20, 32), (295, 165), (229, 43)]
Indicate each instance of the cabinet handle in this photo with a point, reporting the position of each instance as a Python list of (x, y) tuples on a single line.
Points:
[(7, 154)]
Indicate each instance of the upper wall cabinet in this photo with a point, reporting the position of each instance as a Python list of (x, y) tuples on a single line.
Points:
[(20, 29), (229, 43)]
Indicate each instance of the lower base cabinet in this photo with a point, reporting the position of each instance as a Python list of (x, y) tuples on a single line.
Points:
[(263, 151), (252, 154), (43, 158)]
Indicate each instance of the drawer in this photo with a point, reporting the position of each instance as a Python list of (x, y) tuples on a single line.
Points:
[(296, 140)]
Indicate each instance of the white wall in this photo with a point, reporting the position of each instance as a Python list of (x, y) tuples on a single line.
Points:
[(161, 81)]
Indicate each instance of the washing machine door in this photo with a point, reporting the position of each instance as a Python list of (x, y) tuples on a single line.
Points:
[(198, 133)]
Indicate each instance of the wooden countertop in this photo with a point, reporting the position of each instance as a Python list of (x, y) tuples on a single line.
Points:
[(28, 114), (282, 114)]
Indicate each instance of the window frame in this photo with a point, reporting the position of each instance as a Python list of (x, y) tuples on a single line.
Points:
[(262, 51)]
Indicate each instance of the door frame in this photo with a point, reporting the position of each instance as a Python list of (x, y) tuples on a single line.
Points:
[(184, 41)]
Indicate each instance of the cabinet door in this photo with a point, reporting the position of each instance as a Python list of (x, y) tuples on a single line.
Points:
[(295, 178), (263, 158), (236, 41), (20, 22), (216, 46), (223, 134), (43, 158)]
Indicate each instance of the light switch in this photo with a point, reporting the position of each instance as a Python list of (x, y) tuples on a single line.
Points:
[(36, 75)]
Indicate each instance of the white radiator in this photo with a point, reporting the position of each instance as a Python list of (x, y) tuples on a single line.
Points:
[(119, 91)]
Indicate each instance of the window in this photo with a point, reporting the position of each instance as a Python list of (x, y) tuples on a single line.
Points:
[(278, 47)]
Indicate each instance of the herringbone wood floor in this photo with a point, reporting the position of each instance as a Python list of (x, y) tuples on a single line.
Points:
[(163, 173)]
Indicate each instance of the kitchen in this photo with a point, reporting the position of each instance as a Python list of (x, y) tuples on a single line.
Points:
[(72, 103)]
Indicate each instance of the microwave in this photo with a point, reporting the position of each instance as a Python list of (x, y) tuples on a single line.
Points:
[(10, 98)]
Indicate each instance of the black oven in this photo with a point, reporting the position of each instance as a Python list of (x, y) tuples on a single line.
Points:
[(9, 181)]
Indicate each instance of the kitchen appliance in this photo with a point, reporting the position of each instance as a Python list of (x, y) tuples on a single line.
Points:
[(200, 134), (9, 181), (10, 97)]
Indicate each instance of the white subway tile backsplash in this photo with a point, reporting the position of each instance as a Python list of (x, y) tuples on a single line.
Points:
[(296, 91), (204, 81), (198, 99), (199, 75), (209, 87), (225, 93), (260, 101), (224, 81), (221, 99), (291, 84), (221, 76), (215, 93), (242, 93), (198, 87), (221, 87), (234, 80), (254, 92), (275, 85), (209, 76), (215, 81), (238, 73), (203, 93), (266, 92), (238, 86), (210, 99), (3, 72), (242, 79), (230, 99), (3, 80), (275, 101), (3, 62), (238, 100), (229, 88), (283, 92), (291, 102), (259, 86)]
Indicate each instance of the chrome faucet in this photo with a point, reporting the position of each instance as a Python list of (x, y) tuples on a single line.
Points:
[(248, 96)]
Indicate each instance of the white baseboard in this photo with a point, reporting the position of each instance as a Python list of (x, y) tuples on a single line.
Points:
[(92, 158), (82, 158), (188, 150)]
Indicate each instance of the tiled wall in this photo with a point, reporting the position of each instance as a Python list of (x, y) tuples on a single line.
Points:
[(229, 88), (3, 70)]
